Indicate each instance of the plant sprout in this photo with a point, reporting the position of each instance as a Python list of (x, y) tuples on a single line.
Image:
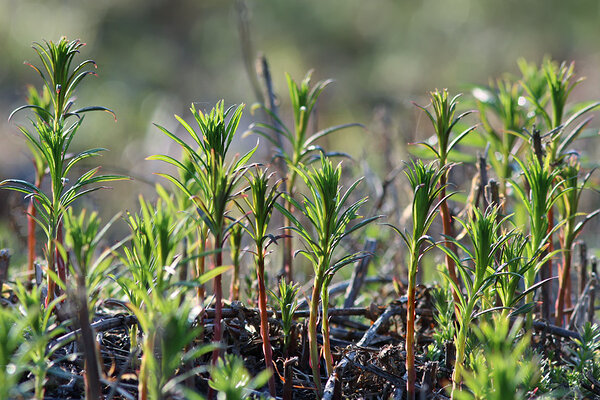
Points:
[(260, 201), (303, 145), (444, 121), (483, 230), (55, 129), (288, 304), (328, 223), (425, 182), (216, 179)]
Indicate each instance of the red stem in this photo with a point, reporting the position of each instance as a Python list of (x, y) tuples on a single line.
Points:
[(218, 313), (264, 322), (410, 337), (447, 228), (563, 283), (287, 247)]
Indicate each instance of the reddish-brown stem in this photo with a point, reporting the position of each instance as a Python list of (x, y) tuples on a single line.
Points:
[(264, 321), (546, 271), (218, 291), (562, 286), (51, 256), (410, 337), (287, 248), (234, 289), (447, 228), (312, 335)]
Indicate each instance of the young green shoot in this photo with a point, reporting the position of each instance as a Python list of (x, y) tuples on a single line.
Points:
[(328, 217), (425, 181), (444, 120), (260, 201), (303, 145), (483, 230), (54, 131), (216, 179)]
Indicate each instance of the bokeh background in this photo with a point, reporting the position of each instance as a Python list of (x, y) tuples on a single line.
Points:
[(155, 57)]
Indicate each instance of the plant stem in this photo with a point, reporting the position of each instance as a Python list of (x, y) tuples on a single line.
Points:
[(51, 267), (234, 290), (447, 228), (325, 330), (562, 286), (312, 333), (410, 326), (31, 211), (218, 301), (461, 340), (264, 320), (200, 265), (61, 269)]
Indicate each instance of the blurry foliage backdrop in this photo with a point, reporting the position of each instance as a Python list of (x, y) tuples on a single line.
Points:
[(155, 57)]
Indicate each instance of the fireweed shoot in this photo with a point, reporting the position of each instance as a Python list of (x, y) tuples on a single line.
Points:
[(425, 183), (53, 131), (304, 148), (216, 179), (328, 216)]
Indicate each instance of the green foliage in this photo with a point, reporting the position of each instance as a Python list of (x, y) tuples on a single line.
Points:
[(543, 193), (503, 101), (444, 319), (260, 202), (328, 215), (13, 353), (216, 179), (502, 367), (288, 304), (39, 329), (424, 181), (483, 230), (444, 120), (170, 332), (232, 380), (303, 97), (150, 258)]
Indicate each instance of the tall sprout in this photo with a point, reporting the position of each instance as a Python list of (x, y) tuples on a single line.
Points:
[(444, 120), (54, 130), (216, 179), (568, 206), (538, 201), (261, 200), (328, 216), (303, 145), (483, 230), (425, 181)]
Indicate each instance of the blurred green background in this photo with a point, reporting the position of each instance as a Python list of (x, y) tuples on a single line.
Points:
[(155, 57)]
